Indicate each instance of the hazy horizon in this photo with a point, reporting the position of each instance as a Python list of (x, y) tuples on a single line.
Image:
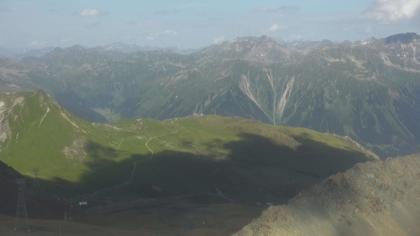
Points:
[(187, 24)]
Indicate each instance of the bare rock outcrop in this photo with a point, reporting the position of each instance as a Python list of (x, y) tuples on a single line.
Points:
[(375, 198)]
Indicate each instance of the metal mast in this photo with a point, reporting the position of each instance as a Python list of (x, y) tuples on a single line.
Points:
[(21, 223)]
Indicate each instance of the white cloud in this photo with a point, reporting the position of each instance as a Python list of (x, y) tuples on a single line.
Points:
[(90, 12), (275, 10), (154, 36), (133, 23), (168, 32), (66, 41), (150, 37), (219, 39), (394, 10), (38, 44), (276, 28)]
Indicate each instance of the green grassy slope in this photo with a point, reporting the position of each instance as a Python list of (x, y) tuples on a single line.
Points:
[(227, 157), (38, 134)]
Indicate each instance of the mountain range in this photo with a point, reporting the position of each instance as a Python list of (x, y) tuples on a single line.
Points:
[(367, 90)]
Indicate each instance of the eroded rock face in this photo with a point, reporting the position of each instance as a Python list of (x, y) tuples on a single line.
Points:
[(76, 151), (4, 124), (7, 106)]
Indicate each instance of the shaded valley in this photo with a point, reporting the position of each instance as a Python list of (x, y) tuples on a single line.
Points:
[(139, 174)]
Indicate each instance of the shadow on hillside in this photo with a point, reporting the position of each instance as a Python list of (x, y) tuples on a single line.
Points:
[(257, 172), (41, 204)]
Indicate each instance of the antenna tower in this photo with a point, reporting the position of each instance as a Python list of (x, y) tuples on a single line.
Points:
[(21, 223)]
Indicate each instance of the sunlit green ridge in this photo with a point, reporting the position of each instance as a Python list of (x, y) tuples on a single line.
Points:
[(192, 155)]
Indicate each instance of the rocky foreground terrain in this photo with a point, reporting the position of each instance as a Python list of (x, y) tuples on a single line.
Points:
[(376, 198)]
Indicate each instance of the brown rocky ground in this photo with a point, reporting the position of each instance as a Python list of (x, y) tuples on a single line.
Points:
[(375, 198)]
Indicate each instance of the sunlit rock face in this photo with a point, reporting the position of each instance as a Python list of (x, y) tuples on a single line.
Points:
[(376, 198), (4, 125)]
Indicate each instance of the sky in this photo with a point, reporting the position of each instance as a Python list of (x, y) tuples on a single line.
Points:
[(188, 24)]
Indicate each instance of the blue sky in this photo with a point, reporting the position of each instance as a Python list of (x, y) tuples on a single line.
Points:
[(197, 23)]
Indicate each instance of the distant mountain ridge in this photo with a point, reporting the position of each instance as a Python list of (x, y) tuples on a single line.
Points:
[(402, 38), (367, 90)]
